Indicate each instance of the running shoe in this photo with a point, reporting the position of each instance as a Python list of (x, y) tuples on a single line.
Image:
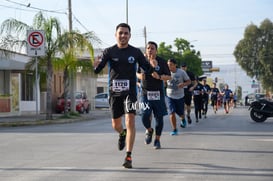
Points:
[(189, 120), (183, 123), (127, 162), (149, 136), (174, 132), (121, 141), (197, 120), (157, 144)]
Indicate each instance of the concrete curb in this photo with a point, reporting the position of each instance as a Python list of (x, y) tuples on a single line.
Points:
[(41, 122), (32, 120)]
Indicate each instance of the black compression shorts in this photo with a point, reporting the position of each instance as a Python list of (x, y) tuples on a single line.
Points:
[(188, 98), (122, 104)]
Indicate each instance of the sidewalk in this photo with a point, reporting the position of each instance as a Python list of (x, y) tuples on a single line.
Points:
[(28, 120)]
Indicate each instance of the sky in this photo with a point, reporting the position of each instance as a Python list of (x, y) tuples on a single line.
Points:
[(214, 27)]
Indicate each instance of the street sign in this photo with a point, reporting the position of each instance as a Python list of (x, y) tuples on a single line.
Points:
[(35, 48), (206, 64), (35, 43)]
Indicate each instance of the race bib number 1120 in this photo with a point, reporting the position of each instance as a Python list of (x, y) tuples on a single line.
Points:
[(120, 85)]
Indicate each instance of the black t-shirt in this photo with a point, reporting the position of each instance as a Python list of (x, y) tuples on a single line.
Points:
[(198, 91), (152, 84), (207, 89), (214, 93), (122, 64), (192, 78)]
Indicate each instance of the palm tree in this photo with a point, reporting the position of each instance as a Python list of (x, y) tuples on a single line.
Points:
[(67, 46), (71, 46), (15, 38)]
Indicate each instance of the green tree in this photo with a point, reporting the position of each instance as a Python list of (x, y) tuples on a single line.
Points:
[(254, 53), (72, 45), (185, 52), (165, 51), (15, 31), (56, 43)]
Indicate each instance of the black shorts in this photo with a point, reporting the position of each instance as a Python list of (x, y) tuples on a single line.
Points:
[(122, 104), (188, 98)]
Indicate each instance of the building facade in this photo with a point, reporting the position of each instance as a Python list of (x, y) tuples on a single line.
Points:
[(19, 94)]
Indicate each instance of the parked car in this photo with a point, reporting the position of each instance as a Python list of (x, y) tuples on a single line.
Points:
[(81, 100), (101, 100)]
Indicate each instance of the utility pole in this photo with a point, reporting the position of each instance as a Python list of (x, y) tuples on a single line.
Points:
[(127, 11), (145, 36), (73, 76), (69, 16)]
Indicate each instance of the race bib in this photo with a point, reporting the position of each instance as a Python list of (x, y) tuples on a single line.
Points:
[(153, 95), (196, 92), (120, 85)]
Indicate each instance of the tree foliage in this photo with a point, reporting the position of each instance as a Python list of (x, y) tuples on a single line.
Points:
[(254, 53), (185, 52), (72, 45), (64, 45), (14, 33)]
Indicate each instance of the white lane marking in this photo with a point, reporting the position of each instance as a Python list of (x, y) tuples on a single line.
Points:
[(261, 139)]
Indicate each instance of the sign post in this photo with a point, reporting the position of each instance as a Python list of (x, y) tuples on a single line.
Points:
[(35, 48)]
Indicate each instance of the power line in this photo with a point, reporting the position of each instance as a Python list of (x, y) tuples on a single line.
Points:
[(11, 7), (35, 8), (85, 28), (29, 8)]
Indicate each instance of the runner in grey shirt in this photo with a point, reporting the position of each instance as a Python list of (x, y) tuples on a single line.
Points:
[(173, 89), (175, 94)]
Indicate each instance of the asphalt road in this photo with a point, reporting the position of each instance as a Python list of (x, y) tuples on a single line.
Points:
[(221, 147)]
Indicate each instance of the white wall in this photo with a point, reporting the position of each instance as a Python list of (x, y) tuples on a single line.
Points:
[(27, 107)]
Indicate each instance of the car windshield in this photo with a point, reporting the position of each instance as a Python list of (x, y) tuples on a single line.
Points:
[(78, 95)]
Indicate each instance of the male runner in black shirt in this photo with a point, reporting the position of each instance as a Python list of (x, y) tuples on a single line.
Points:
[(188, 91), (122, 60), (205, 100), (153, 94)]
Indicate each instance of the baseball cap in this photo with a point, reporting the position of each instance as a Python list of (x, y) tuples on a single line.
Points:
[(183, 64)]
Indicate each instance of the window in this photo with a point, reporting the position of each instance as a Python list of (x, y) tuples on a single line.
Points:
[(4, 82), (99, 89), (28, 84), (100, 96)]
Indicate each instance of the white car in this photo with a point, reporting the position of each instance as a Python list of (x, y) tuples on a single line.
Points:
[(102, 100)]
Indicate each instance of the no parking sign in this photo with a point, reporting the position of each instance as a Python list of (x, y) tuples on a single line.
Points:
[(35, 43)]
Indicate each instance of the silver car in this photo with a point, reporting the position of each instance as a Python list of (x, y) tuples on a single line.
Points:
[(101, 100)]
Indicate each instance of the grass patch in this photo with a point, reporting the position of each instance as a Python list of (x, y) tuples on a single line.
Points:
[(70, 115)]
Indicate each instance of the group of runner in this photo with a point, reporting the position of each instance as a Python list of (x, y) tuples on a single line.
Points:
[(203, 94), (160, 82)]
